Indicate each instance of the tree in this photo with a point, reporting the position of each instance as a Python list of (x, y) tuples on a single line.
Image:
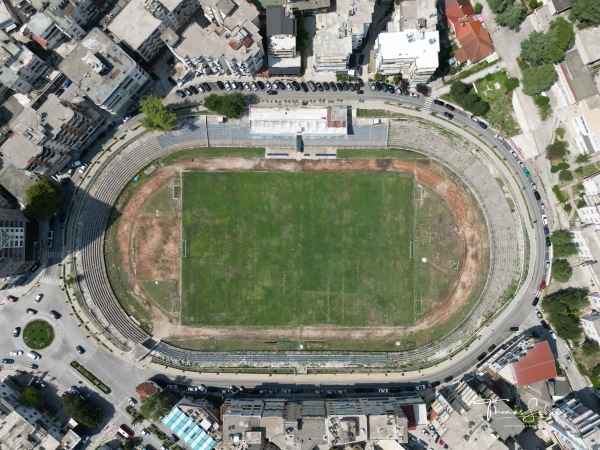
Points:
[(533, 47), (582, 159), (586, 12), (422, 89), (157, 405), (562, 270), (301, 32), (565, 175), (43, 199), (562, 241), (560, 133), (158, 116), (562, 33), (30, 396), (537, 79), (563, 308), (590, 349), (404, 83), (83, 411), (228, 105), (499, 6), (467, 98), (478, 8), (512, 17)]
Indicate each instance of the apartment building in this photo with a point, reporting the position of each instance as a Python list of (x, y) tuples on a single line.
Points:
[(195, 422), (304, 424), (20, 69), (283, 57), (44, 141), (574, 426), (25, 427), (107, 75), (591, 326), (411, 44), (16, 253), (71, 17), (231, 42), (340, 33), (44, 31), (141, 23)]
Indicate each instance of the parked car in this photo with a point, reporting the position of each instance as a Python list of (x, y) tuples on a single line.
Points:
[(304, 86), (254, 86), (537, 195), (439, 102), (10, 298), (538, 313), (55, 314), (536, 300), (180, 93), (482, 356), (16, 353), (545, 324), (514, 328), (420, 387), (8, 361), (220, 84), (296, 85), (361, 59), (272, 92), (543, 285), (320, 87), (450, 107), (31, 311), (80, 349), (448, 115), (312, 86), (194, 90), (132, 401), (171, 81), (545, 219), (548, 242), (16, 331), (569, 360), (145, 432), (546, 230), (383, 390), (448, 379), (500, 138), (260, 85), (83, 168), (552, 334)]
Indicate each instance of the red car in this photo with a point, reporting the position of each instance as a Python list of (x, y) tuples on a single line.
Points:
[(10, 298), (543, 284)]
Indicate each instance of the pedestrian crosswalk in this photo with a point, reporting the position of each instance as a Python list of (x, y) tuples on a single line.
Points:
[(55, 254), (428, 103), (2, 305), (534, 292), (50, 280)]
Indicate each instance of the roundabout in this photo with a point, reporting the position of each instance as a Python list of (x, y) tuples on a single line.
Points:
[(38, 334), (474, 166)]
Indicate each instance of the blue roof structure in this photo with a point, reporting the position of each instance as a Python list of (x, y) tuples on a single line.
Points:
[(188, 430)]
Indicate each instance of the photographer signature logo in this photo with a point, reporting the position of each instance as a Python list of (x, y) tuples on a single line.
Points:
[(529, 417)]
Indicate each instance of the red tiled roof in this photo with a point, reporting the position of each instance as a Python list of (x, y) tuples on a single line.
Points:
[(475, 41), (145, 389), (537, 365), (455, 9)]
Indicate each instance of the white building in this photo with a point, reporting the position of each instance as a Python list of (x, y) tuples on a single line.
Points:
[(283, 57), (581, 239), (231, 42), (70, 16), (594, 301), (591, 327), (318, 120), (411, 44), (109, 77), (19, 67), (587, 130), (142, 22), (589, 214), (574, 426), (14, 257)]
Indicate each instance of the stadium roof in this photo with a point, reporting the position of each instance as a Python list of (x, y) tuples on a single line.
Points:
[(318, 120)]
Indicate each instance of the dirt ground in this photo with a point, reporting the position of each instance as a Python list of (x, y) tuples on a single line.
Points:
[(463, 205)]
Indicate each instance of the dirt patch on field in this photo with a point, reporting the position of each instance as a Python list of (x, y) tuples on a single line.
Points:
[(157, 230)]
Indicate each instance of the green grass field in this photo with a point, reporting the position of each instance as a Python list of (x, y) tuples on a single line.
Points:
[(292, 249)]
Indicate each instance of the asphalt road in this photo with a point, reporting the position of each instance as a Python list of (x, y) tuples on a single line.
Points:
[(122, 374)]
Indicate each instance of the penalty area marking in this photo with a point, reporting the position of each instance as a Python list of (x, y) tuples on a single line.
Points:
[(412, 250), (184, 247)]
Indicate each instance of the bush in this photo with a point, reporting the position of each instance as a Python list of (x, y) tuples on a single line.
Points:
[(560, 133), (511, 83), (560, 195), (468, 99), (581, 204), (543, 104), (562, 270), (559, 167), (565, 175), (478, 8)]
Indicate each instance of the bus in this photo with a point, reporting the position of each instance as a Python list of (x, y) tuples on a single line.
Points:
[(125, 431)]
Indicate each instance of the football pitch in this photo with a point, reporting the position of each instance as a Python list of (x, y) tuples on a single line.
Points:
[(297, 249)]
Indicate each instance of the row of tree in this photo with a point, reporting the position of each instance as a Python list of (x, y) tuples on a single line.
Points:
[(564, 308), (465, 96)]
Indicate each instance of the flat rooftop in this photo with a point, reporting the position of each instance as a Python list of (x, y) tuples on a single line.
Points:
[(588, 44), (423, 46), (134, 24), (80, 66), (291, 120), (332, 42)]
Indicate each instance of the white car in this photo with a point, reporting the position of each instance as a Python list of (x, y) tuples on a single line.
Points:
[(538, 313), (247, 87), (227, 85), (420, 387), (132, 401), (83, 168), (542, 206), (38, 298), (569, 360), (533, 186), (552, 334), (500, 138), (383, 391), (254, 86), (16, 353), (268, 86), (545, 219), (145, 432)]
